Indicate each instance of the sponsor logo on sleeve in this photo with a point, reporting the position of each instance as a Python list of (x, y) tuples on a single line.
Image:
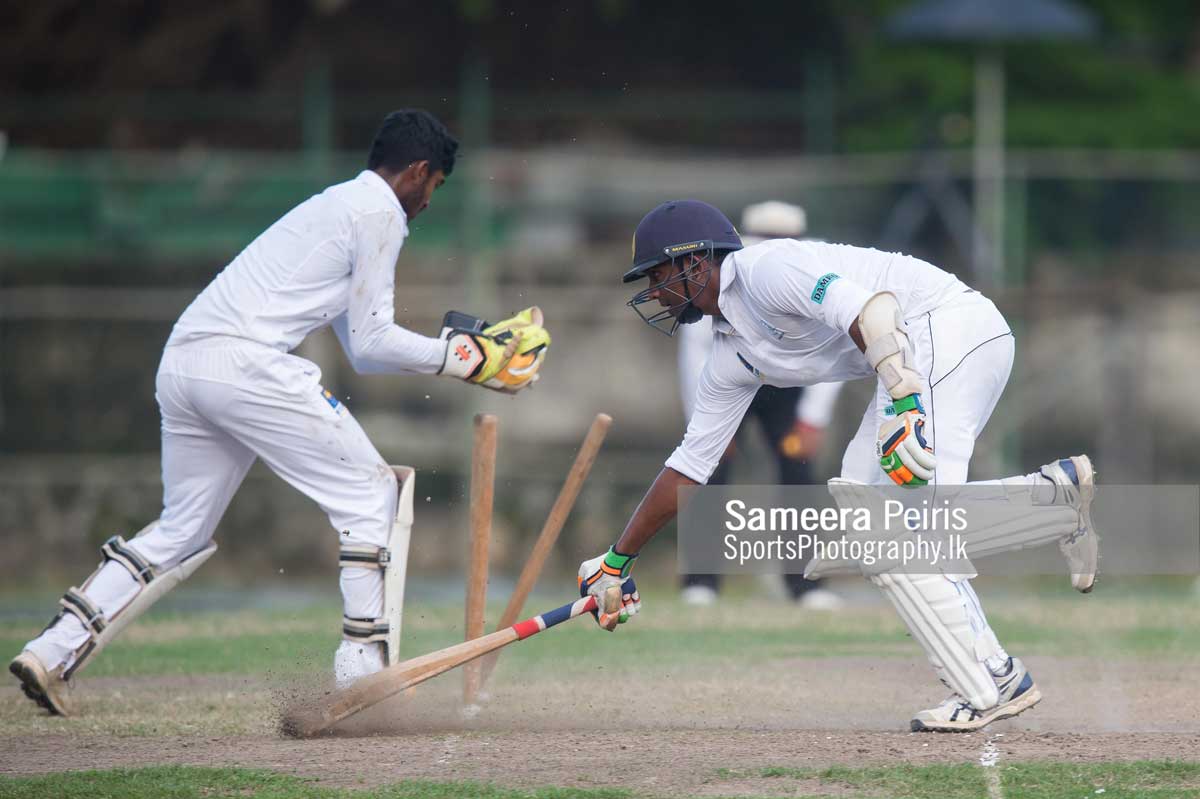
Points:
[(818, 293)]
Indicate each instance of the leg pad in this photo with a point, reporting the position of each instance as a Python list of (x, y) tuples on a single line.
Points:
[(392, 561), (151, 583)]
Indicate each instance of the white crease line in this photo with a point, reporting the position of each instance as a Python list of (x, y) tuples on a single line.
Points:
[(988, 758), (449, 742)]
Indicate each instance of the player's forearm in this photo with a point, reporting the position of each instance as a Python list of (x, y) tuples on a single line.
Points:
[(391, 349), (657, 508)]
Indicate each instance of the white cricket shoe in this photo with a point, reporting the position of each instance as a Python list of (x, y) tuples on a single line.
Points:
[(353, 661), (1018, 693), (46, 687), (1075, 481), (699, 596)]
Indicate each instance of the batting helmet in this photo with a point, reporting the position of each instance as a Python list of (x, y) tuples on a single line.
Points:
[(687, 229), (676, 228)]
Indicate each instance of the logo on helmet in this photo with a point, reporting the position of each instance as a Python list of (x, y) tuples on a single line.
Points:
[(682, 248)]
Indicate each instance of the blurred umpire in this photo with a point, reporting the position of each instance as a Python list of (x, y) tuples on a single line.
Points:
[(793, 420)]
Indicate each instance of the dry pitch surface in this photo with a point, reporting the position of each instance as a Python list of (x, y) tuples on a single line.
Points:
[(679, 705)]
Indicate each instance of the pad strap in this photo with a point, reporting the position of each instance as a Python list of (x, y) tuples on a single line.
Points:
[(75, 603), (364, 631), (116, 549), (366, 557), (886, 345)]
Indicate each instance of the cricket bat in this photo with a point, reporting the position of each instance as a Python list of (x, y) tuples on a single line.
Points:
[(309, 720)]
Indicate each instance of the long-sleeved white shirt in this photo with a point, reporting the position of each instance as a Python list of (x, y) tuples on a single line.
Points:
[(787, 307), (329, 261), (816, 403)]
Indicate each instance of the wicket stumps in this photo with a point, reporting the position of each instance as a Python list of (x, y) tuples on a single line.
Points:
[(550, 530), (483, 475)]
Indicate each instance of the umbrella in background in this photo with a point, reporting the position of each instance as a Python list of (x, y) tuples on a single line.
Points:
[(989, 25)]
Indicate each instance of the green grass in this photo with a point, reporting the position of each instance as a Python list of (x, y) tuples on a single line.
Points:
[(227, 671), (1138, 780), (188, 782), (1141, 780), (962, 781), (301, 640)]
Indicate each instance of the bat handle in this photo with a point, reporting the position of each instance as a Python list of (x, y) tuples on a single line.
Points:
[(587, 604)]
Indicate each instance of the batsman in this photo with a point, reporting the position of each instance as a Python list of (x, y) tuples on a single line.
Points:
[(795, 313), (230, 392)]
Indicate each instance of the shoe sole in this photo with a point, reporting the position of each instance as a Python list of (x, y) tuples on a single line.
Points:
[(31, 684), (1006, 711), (1087, 491)]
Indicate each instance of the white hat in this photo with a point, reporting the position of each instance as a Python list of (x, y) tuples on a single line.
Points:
[(774, 219)]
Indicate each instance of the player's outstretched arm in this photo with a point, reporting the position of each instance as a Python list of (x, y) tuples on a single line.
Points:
[(657, 508), (504, 357)]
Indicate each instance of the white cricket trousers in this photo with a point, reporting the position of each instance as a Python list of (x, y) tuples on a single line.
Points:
[(225, 402), (964, 353)]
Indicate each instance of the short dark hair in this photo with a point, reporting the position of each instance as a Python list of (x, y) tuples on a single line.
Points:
[(411, 135)]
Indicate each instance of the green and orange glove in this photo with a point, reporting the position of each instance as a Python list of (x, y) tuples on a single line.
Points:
[(903, 451), (597, 574)]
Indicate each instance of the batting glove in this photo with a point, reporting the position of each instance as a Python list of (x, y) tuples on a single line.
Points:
[(503, 357), (903, 452), (597, 574)]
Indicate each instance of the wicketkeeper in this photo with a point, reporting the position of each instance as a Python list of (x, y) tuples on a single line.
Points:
[(794, 313), (230, 392)]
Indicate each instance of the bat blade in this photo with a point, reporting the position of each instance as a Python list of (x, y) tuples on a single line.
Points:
[(310, 720)]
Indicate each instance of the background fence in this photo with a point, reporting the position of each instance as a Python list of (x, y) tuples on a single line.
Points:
[(142, 148), (103, 251)]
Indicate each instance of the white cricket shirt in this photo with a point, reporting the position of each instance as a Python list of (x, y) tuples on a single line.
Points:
[(816, 403), (788, 306), (329, 261)]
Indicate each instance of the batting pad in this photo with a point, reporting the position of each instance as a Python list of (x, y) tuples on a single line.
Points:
[(392, 562), (1005, 517), (152, 584), (940, 612), (1020, 523), (397, 570)]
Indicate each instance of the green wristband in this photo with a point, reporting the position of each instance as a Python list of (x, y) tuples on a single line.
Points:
[(618, 565), (910, 403)]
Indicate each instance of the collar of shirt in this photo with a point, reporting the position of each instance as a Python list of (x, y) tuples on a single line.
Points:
[(372, 179), (728, 273)]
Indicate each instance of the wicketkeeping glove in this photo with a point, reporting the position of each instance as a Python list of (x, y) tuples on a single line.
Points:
[(597, 574), (903, 452), (504, 357)]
